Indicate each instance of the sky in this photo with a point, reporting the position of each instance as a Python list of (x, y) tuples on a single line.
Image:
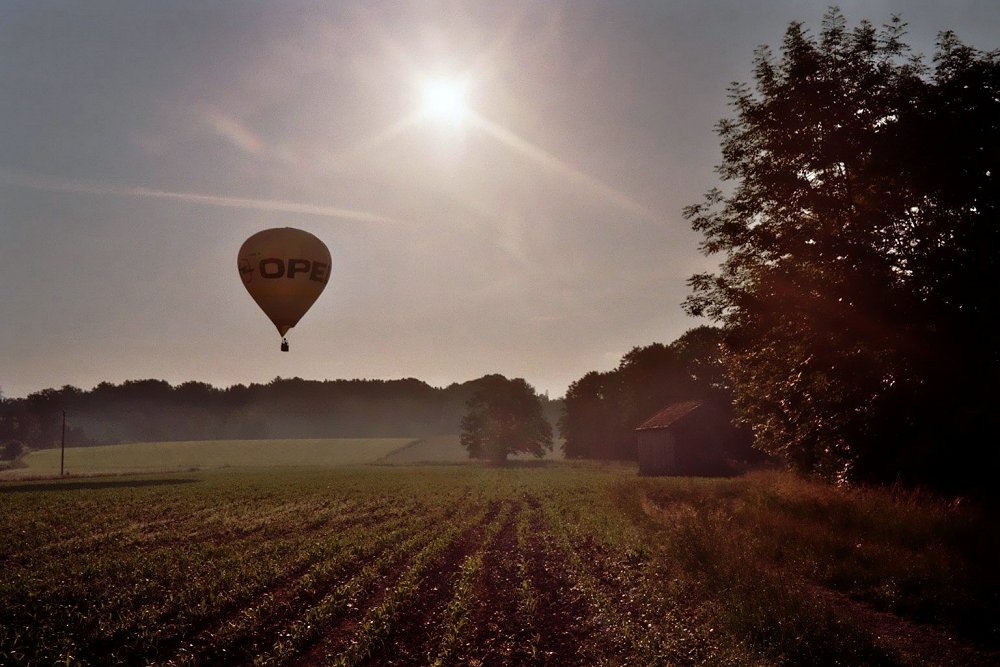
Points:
[(536, 230)]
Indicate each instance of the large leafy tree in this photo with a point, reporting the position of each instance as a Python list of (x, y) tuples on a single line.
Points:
[(505, 417), (858, 237), (601, 410), (588, 423)]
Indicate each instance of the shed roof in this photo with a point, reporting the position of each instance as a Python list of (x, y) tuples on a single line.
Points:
[(669, 415)]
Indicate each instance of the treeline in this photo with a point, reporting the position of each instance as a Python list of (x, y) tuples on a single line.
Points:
[(154, 410), (602, 410)]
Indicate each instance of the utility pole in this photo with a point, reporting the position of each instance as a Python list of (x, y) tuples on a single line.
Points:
[(62, 454)]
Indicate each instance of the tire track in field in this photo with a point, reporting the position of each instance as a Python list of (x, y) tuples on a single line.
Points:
[(498, 633), (416, 633), (398, 622), (640, 622), (455, 622), (562, 620), (918, 642)]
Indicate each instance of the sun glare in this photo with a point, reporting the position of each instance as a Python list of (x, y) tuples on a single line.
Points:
[(445, 100)]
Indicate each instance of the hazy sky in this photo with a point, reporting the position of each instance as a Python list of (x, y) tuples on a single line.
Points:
[(539, 236)]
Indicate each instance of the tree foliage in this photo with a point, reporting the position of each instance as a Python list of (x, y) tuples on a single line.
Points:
[(602, 410), (505, 417), (149, 410), (11, 450), (859, 242)]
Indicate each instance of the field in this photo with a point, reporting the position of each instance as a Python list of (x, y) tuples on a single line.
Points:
[(207, 454), (200, 454), (448, 449), (536, 564)]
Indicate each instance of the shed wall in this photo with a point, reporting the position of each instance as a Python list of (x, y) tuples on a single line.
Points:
[(657, 452), (691, 446)]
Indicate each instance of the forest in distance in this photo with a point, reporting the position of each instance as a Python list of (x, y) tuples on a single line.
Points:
[(596, 419), (154, 410)]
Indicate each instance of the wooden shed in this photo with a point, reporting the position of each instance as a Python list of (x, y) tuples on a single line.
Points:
[(685, 438)]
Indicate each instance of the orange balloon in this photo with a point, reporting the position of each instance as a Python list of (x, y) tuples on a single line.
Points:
[(285, 271)]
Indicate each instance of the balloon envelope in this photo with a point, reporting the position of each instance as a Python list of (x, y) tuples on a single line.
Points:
[(285, 270)]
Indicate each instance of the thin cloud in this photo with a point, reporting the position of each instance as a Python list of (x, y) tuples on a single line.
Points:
[(48, 184), (567, 171)]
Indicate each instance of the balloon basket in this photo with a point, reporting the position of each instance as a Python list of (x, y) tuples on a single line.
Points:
[(284, 345)]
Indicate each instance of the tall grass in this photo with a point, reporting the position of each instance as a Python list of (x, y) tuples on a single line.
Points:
[(764, 548)]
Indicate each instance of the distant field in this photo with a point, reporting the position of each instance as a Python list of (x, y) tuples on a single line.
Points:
[(150, 456), (562, 564), (207, 454), (448, 449), (435, 449)]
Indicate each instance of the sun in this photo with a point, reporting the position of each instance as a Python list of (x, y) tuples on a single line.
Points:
[(444, 99)]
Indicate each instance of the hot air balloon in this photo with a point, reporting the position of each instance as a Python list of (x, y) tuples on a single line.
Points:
[(285, 270)]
